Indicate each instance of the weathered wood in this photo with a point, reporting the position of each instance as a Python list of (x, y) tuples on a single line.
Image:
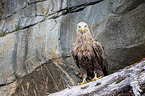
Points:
[(126, 81)]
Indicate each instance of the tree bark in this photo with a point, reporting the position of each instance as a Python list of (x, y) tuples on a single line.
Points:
[(129, 81)]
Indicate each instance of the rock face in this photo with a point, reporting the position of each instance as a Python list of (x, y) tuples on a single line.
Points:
[(26, 37), (121, 31), (31, 30)]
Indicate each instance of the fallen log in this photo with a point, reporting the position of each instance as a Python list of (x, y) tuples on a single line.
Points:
[(129, 81)]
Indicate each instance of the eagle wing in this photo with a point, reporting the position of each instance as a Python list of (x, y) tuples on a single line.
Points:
[(101, 56), (75, 59)]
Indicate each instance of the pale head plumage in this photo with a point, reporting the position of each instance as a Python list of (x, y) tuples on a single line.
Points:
[(82, 28)]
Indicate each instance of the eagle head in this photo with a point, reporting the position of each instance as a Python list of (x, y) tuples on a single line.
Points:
[(82, 28)]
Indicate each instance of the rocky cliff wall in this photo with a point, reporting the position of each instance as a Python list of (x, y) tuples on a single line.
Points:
[(118, 25), (31, 30)]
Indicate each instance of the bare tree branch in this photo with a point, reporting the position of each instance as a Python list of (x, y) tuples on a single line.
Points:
[(131, 77)]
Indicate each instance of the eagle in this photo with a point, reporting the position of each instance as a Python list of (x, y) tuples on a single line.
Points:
[(89, 54)]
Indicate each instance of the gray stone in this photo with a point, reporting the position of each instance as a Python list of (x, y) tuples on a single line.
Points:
[(91, 15), (25, 46), (123, 6), (71, 3), (121, 35), (124, 38), (30, 30)]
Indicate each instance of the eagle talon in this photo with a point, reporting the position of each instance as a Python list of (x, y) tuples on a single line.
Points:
[(84, 81), (95, 78)]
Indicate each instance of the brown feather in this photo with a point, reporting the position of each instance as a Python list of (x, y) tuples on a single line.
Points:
[(89, 54)]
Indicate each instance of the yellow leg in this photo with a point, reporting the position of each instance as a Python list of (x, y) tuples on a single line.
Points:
[(95, 78), (84, 81)]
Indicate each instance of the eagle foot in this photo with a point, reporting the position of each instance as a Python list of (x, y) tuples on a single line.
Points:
[(84, 81), (95, 78)]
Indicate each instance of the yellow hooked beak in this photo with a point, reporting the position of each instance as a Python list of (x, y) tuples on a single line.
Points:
[(83, 29)]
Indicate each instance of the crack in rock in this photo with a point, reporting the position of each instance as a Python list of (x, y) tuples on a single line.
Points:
[(55, 15)]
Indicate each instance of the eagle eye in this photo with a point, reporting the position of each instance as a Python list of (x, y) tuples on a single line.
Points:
[(79, 26)]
